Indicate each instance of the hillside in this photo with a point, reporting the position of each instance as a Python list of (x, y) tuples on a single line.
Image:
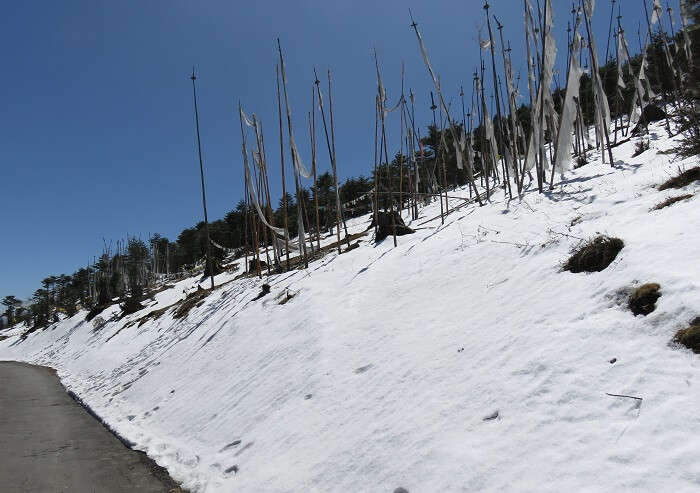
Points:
[(465, 359)]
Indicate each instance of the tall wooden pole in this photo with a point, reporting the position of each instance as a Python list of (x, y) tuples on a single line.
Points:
[(605, 138), (312, 123), (504, 144), (512, 108), (296, 164), (268, 211), (330, 154), (438, 150), (260, 165), (201, 173), (250, 178), (341, 216), (284, 186), (376, 171)]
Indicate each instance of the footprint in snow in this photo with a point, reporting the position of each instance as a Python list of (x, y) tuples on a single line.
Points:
[(231, 445), (363, 369), (492, 416), (232, 469), (244, 448)]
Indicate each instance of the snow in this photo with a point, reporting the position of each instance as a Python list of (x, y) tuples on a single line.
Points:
[(379, 372)]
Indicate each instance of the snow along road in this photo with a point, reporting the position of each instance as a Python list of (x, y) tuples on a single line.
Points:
[(49, 443)]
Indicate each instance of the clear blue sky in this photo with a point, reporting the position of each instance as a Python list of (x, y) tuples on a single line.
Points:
[(96, 125)]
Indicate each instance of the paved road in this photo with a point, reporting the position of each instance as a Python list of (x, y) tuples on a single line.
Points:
[(50, 444)]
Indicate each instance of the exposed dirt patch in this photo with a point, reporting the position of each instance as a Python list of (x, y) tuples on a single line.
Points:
[(192, 300)]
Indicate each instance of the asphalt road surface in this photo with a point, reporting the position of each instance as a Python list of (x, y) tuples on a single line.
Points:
[(50, 444)]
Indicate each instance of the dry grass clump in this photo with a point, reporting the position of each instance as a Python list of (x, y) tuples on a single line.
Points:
[(192, 300), (594, 255), (690, 336), (683, 179), (671, 201), (643, 299), (154, 315)]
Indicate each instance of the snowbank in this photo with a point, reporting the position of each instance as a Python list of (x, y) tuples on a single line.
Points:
[(379, 372)]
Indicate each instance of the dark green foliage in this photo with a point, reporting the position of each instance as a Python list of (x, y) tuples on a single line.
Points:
[(11, 304), (643, 299), (131, 305), (94, 311), (683, 179), (688, 111), (594, 255)]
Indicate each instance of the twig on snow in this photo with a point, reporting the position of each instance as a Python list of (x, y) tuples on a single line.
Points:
[(627, 396)]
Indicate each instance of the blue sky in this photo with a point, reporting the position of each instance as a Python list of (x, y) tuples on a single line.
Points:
[(97, 131)]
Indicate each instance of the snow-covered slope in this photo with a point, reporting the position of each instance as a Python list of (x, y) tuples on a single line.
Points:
[(379, 372)]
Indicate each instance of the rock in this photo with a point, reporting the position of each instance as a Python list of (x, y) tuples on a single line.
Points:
[(385, 227)]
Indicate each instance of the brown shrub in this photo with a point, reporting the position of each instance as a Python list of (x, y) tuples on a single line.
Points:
[(643, 299), (690, 336), (594, 255)]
